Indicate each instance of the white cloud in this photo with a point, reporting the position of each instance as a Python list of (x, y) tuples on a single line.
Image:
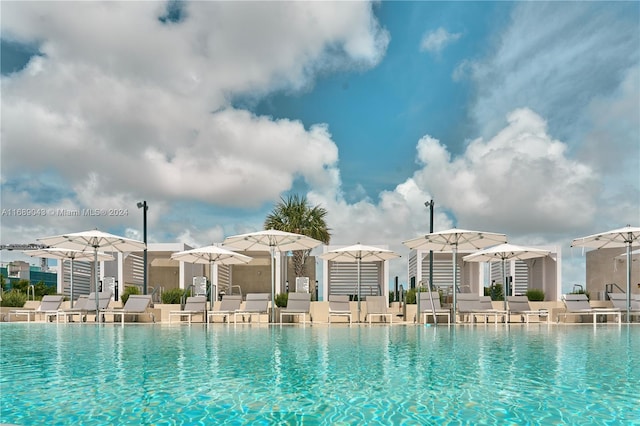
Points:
[(519, 181), (151, 115), (436, 41)]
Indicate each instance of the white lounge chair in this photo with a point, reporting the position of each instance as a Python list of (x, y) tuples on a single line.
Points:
[(619, 301), (378, 306), (79, 308), (48, 307), (229, 305), (194, 305), (104, 298), (478, 306), (519, 305), (256, 304), (298, 304), (427, 309), (136, 305), (339, 306), (578, 304)]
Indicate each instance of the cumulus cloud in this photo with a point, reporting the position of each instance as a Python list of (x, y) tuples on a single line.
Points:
[(436, 41), (126, 115), (520, 180)]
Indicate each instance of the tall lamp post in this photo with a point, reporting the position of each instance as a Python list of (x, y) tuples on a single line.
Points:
[(429, 205), (143, 205)]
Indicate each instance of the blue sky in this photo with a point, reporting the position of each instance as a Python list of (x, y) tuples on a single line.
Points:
[(520, 118)]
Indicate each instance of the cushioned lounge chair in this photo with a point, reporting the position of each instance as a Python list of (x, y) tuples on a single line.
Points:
[(195, 305), (88, 306), (578, 304), (619, 301), (378, 306), (229, 305), (48, 307), (475, 306), (104, 299), (136, 305), (79, 308), (339, 306), (519, 305), (298, 304), (256, 304), (426, 308)]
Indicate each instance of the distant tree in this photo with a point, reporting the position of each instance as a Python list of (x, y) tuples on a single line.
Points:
[(295, 214)]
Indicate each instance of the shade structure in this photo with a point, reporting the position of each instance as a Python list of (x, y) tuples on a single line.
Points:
[(622, 237), (67, 254), (359, 253), (211, 255), (453, 240), (93, 240), (502, 253), (271, 240)]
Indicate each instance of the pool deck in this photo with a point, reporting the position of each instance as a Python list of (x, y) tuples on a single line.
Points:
[(403, 314)]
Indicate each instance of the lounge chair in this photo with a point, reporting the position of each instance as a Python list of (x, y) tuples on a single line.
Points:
[(427, 309), (229, 305), (136, 305), (519, 305), (104, 298), (578, 304), (48, 307), (256, 304), (378, 306), (89, 306), (79, 308), (475, 306), (619, 301), (195, 305), (339, 306), (298, 304)]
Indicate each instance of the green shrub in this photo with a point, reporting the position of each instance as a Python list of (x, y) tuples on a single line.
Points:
[(410, 295), (173, 296), (13, 299), (281, 300), (581, 291), (495, 291), (535, 295), (129, 290)]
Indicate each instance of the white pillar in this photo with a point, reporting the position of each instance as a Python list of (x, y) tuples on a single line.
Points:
[(120, 269), (181, 275)]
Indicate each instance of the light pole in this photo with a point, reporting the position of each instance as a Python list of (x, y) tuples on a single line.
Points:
[(143, 205), (429, 204)]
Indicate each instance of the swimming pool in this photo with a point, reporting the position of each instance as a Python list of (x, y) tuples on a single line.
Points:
[(319, 375)]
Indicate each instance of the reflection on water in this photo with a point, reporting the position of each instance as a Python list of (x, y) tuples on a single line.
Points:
[(154, 374)]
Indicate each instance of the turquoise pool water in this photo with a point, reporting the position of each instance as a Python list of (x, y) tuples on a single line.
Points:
[(99, 375)]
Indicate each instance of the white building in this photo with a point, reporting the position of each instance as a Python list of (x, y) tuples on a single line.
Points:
[(541, 273)]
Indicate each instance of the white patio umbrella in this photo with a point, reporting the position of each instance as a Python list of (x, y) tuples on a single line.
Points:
[(271, 240), (359, 253), (93, 240), (454, 240), (504, 252), (211, 255), (64, 254), (623, 237)]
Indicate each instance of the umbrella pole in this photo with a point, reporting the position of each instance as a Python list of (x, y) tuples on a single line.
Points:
[(70, 283), (95, 272), (455, 282), (629, 281), (273, 285), (211, 294), (504, 282), (358, 259)]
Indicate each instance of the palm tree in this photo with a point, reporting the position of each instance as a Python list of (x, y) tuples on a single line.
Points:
[(294, 214)]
